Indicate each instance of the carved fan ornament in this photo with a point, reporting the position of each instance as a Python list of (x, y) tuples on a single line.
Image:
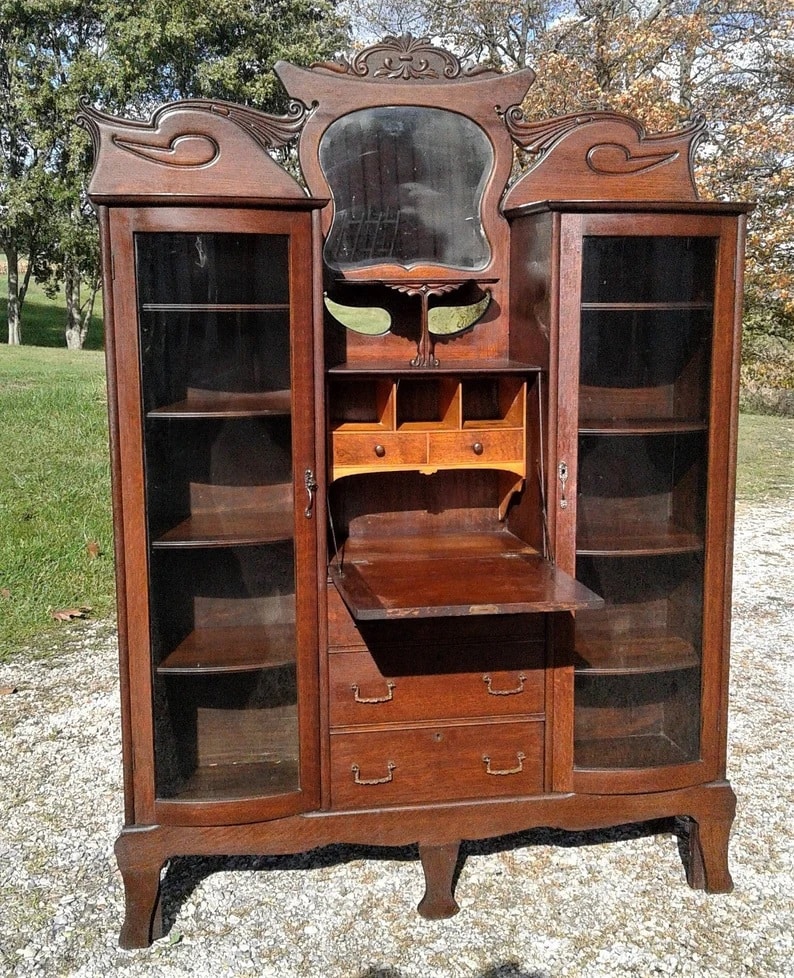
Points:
[(405, 58)]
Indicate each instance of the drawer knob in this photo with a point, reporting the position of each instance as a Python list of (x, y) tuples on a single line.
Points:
[(520, 757), (375, 699), (477, 448), (505, 692), (380, 451), (366, 781)]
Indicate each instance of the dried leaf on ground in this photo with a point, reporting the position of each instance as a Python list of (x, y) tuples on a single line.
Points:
[(67, 614)]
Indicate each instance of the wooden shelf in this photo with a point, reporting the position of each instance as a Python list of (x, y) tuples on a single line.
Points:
[(211, 404), (660, 306), (446, 575), (215, 307), (234, 782), (234, 649), (637, 540), (463, 367), (639, 426), (616, 753), (229, 528), (609, 655)]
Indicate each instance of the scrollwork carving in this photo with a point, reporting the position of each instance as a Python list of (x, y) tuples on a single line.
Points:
[(269, 131), (197, 146), (601, 154), (405, 58)]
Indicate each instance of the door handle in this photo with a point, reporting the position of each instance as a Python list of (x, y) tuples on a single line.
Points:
[(310, 483)]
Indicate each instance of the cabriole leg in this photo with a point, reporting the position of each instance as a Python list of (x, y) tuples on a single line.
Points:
[(438, 864), (708, 855), (142, 913)]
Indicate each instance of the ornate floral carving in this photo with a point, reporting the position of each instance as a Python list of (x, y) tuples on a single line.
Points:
[(404, 58)]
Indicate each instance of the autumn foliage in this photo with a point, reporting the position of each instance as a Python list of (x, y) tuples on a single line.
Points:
[(663, 61)]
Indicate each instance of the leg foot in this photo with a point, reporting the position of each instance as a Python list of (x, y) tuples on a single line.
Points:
[(438, 863), (707, 867), (142, 917)]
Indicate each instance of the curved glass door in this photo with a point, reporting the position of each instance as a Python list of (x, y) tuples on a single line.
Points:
[(214, 317), (645, 342)]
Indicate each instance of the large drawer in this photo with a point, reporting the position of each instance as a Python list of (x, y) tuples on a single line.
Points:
[(377, 768), (477, 680)]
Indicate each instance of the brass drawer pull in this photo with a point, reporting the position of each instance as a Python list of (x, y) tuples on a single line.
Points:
[(520, 757), (375, 699), (380, 451), (505, 692), (477, 448), (366, 781)]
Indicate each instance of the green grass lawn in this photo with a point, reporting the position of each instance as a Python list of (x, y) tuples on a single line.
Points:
[(44, 319), (765, 469), (54, 490), (55, 522)]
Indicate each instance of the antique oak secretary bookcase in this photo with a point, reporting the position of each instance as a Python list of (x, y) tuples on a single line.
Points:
[(423, 478)]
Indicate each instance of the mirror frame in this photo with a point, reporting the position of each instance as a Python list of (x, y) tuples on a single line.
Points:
[(411, 72)]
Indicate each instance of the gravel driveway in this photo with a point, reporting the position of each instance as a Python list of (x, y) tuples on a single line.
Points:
[(542, 905)]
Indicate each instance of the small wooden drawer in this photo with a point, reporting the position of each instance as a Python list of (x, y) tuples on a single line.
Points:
[(376, 768), (474, 446), (378, 448), (361, 694)]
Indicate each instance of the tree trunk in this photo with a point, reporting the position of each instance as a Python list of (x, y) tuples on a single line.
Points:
[(14, 304), (75, 329)]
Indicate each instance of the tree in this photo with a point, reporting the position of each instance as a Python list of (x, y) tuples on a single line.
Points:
[(662, 61), (24, 178), (126, 57)]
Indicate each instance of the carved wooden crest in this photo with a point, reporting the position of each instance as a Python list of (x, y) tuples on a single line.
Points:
[(192, 148), (404, 58), (602, 156)]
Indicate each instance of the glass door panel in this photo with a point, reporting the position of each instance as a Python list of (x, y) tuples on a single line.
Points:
[(645, 339), (214, 317)]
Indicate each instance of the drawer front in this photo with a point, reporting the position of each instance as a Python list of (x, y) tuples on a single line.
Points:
[(510, 683), (418, 765), (475, 446), (373, 449)]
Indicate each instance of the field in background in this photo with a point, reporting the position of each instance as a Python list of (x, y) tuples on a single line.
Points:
[(44, 319), (55, 524)]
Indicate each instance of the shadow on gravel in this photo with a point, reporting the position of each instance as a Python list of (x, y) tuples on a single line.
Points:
[(509, 969), (185, 873)]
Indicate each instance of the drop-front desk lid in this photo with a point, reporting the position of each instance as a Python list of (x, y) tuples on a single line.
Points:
[(451, 575)]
